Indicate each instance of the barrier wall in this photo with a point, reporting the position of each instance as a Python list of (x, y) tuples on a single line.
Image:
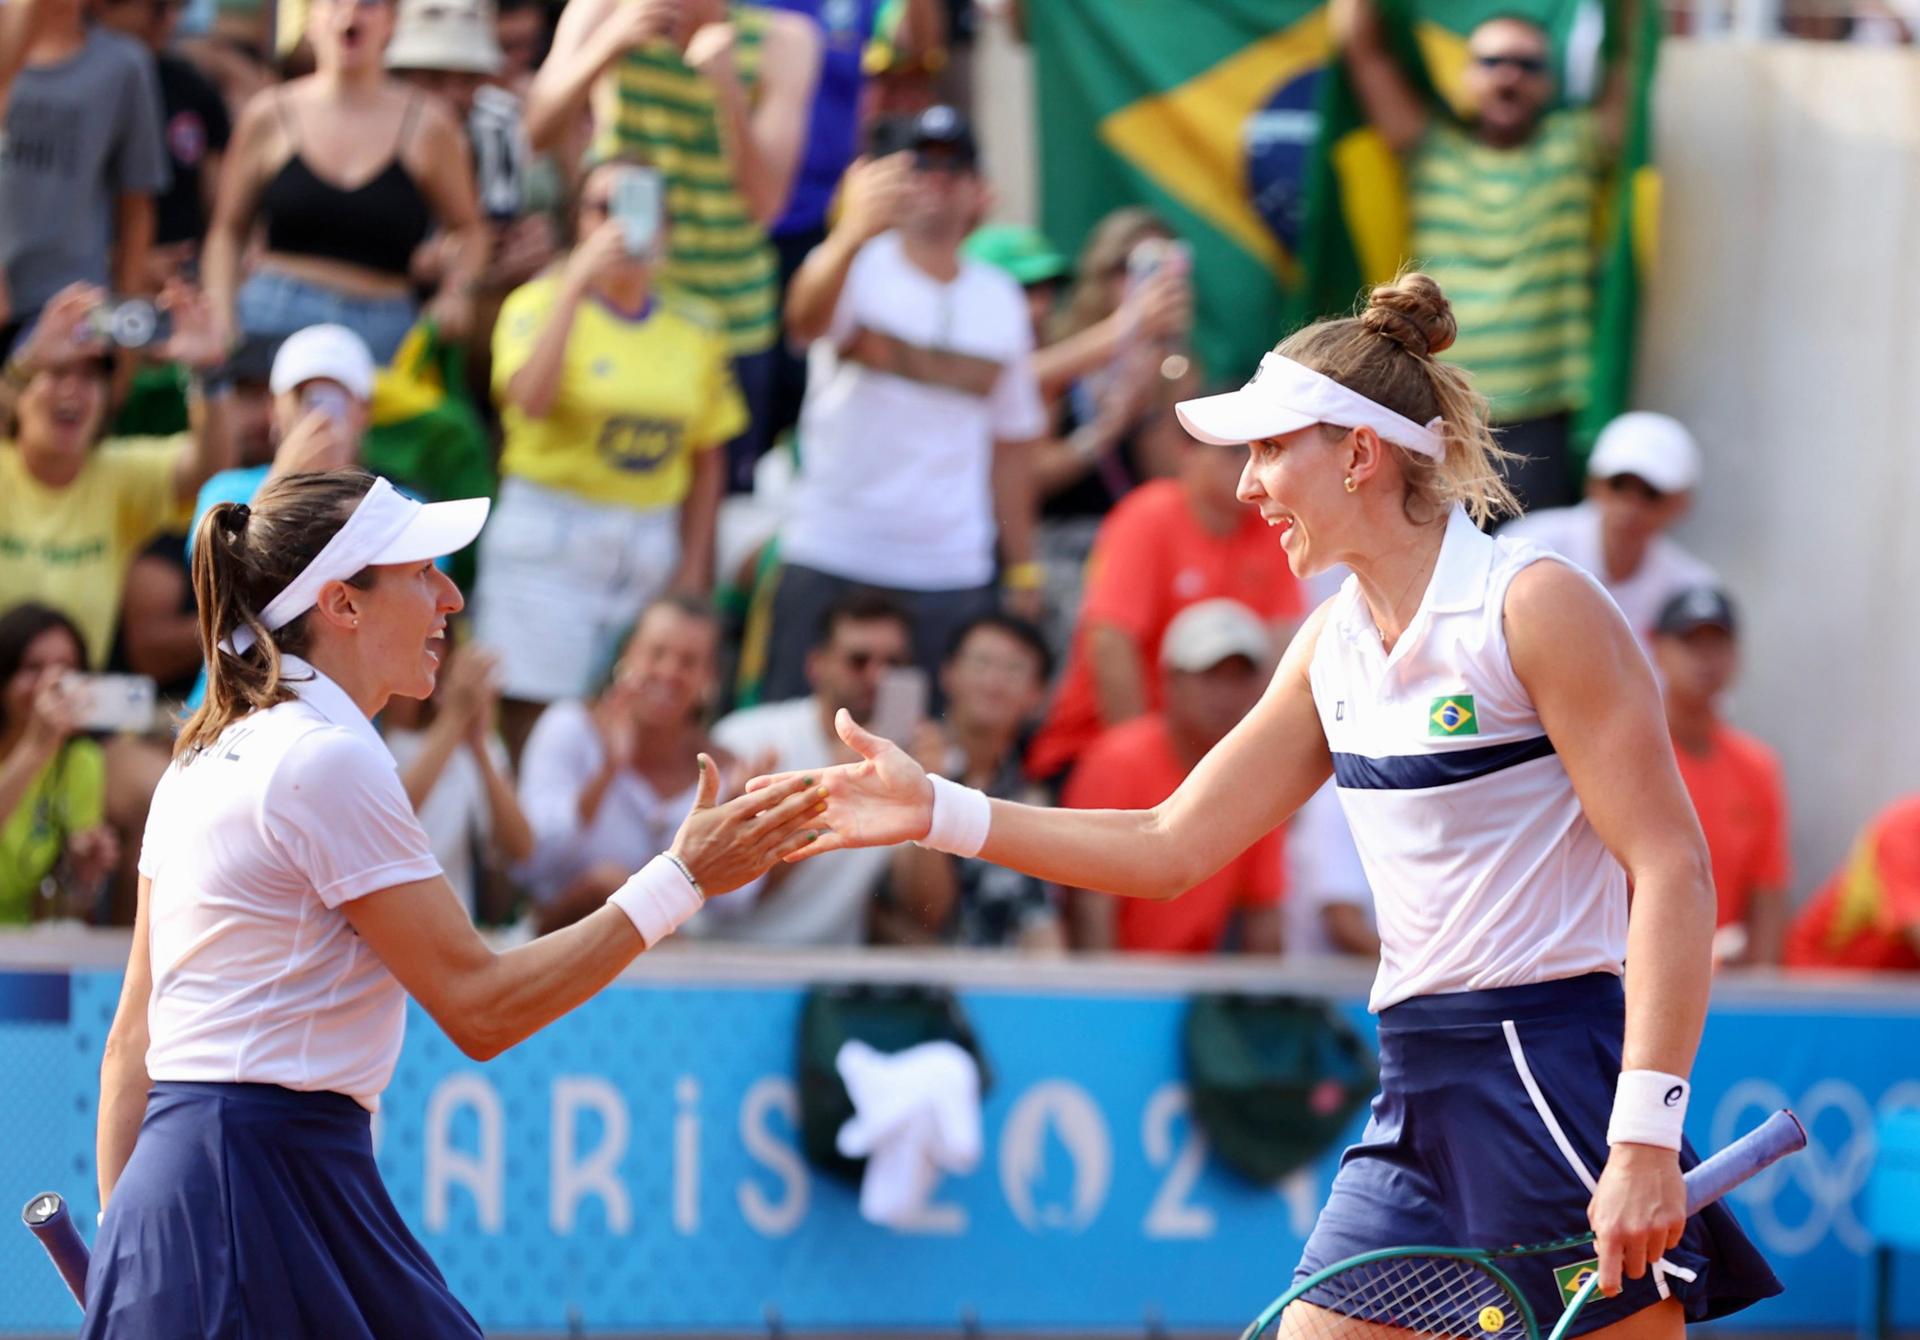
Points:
[(1779, 325), (636, 1166)]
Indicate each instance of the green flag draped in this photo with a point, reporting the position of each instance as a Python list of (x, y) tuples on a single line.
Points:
[(1234, 120)]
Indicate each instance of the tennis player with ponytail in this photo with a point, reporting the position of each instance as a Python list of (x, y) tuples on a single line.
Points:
[(289, 902), (1497, 743)]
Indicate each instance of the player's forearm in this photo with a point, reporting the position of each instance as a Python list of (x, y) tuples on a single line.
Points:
[(123, 1105), (1131, 853), (523, 990), (1669, 964)]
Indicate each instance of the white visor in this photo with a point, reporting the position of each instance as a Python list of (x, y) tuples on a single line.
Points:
[(387, 527), (1285, 396)]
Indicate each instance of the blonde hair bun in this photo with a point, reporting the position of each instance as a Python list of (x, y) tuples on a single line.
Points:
[(1413, 313)]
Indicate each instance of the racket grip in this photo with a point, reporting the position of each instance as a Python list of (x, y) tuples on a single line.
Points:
[(1773, 1139), (47, 1219)]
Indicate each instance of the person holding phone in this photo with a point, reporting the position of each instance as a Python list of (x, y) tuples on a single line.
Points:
[(54, 838), (321, 382), (615, 396)]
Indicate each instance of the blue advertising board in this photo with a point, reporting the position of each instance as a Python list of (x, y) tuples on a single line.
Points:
[(636, 1167)]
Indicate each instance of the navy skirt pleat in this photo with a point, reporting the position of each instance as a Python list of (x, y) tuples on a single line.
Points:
[(252, 1212)]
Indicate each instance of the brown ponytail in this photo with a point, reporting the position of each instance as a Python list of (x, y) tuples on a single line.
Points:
[(244, 555), (1386, 353)]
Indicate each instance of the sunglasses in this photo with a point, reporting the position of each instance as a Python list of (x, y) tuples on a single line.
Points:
[(1533, 65)]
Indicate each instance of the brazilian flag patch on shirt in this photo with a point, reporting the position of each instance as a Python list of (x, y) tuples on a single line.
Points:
[(1453, 715)]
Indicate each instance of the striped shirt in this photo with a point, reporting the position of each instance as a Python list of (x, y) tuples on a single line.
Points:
[(666, 112), (1484, 869), (1510, 236)]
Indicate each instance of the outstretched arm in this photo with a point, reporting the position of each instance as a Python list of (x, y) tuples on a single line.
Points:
[(489, 1001), (1388, 99), (1249, 784), (1596, 696)]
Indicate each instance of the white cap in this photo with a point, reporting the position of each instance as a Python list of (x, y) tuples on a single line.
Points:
[(332, 352), (1285, 396), (386, 527), (1203, 635), (1655, 447), (454, 35)]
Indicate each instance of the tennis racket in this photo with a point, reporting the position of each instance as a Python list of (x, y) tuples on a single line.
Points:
[(47, 1219), (1464, 1294)]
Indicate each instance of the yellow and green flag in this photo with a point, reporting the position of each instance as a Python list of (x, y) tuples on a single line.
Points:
[(1235, 120)]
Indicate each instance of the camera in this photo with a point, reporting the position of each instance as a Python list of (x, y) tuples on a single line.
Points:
[(129, 323)]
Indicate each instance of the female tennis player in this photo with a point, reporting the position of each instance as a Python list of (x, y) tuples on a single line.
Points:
[(288, 902), (1498, 747)]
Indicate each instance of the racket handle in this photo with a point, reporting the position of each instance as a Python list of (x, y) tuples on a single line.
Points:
[(1772, 1140), (47, 1219)]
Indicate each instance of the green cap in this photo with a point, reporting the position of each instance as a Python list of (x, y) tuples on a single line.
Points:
[(1022, 252)]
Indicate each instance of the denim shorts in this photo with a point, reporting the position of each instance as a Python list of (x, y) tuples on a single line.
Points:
[(275, 304)]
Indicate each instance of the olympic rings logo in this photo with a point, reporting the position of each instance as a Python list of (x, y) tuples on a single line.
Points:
[(1829, 1177)]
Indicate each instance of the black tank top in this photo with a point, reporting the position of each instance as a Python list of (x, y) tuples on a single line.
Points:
[(376, 226)]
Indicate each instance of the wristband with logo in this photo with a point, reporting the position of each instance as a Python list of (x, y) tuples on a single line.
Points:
[(658, 899), (1649, 1108)]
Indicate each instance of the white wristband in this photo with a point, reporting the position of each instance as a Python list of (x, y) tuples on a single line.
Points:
[(1649, 1108), (961, 816), (659, 898)]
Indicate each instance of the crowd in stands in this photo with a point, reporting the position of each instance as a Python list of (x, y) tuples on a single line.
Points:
[(778, 423)]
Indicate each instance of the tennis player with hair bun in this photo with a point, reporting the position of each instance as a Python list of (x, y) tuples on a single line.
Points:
[(1498, 746), (289, 902)]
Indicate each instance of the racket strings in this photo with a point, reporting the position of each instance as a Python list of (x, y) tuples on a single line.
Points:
[(1443, 1297)]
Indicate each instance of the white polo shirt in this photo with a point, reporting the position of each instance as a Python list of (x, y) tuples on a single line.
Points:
[(1484, 869), (253, 846)]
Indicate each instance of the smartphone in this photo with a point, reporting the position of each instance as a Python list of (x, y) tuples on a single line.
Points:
[(637, 205), (900, 705), (114, 703), (130, 323), (329, 400)]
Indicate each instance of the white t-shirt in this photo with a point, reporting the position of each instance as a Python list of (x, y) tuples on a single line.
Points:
[(254, 845), (456, 815), (632, 826), (1323, 870), (1574, 534), (896, 475), (822, 901)]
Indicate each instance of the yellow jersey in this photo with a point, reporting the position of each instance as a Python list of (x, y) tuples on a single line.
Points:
[(638, 396), (70, 547)]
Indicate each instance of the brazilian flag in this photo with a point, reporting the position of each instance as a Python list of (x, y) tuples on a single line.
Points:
[(1234, 119)]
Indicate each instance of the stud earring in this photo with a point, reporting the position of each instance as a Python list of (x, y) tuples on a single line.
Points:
[(1351, 486)]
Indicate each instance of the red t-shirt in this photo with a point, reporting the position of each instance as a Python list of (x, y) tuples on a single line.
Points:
[(1865, 915), (1738, 793), (1151, 560), (1134, 767)]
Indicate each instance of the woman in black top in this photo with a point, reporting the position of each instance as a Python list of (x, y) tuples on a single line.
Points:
[(348, 171)]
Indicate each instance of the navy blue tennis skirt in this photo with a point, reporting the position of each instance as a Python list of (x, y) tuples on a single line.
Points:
[(1460, 1151), (252, 1212)]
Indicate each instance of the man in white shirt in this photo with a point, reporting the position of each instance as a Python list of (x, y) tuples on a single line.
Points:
[(921, 405), (1640, 482), (824, 901)]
